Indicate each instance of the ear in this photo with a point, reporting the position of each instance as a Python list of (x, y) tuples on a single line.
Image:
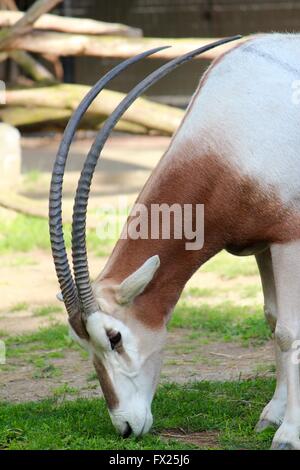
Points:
[(59, 296), (137, 282)]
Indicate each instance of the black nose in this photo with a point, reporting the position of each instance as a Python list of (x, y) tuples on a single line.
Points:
[(127, 431)]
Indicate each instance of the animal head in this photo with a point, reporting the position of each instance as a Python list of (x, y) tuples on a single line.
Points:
[(125, 353)]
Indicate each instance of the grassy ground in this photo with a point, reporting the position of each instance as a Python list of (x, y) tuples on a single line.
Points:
[(224, 307), (225, 322), (222, 414), (23, 233)]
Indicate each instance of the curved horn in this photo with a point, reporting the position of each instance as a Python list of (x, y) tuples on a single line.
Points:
[(79, 252), (59, 254)]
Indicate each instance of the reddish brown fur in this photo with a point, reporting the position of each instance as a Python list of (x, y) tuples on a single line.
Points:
[(106, 384), (238, 211)]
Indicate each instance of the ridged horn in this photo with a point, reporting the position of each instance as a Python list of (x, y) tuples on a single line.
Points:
[(63, 272), (79, 251)]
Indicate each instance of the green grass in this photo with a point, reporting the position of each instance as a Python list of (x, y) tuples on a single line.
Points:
[(64, 390), (19, 260), (46, 310), (198, 292), (25, 233), (46, 372), (19, 307), (250, 291), (226, 321), (43, 368), (49, 338), (92, 377), (32, 177), (22, 234), (231, 409), (228, 266)]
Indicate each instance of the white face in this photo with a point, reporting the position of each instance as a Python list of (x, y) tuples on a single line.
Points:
[(128, 361)]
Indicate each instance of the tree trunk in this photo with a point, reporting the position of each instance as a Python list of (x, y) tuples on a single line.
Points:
[(65, 44), (28, 63), (23, 205), (56, 119), (71, 25), (143, 112), (32, 67), (28, 206), (25, 23)]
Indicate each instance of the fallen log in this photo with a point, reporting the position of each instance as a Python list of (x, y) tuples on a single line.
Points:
[(29, 64), (144, 113), (19, 116), (32, 67), (71, 25), (8, 4), (64, 44), (28, 206), (4, 56), (56, 119), (23, 205), (25, 23)]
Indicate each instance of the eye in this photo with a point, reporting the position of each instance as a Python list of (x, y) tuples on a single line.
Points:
[(114, 338)]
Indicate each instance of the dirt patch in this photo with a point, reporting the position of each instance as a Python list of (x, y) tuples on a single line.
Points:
[(36, 284), (186, 359), (20, 381), (30, 283), (214, 361), (72, 375), (204, 439)]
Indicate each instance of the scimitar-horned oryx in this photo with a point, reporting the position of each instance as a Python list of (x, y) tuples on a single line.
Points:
[(237, 152)]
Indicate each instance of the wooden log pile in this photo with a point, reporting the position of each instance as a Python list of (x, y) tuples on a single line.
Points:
[(51, 105), (27, 108), (52, 36)]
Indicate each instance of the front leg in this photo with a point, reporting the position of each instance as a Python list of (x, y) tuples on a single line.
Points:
[(273, 413), (286, 265)]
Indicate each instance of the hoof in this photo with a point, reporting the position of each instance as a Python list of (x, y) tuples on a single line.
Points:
[(264, 424), (282, 446)]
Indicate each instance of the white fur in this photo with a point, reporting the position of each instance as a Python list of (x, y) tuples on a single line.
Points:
[(245, 112), (59, 296), (274, 411), (134, 381), (136, 283), (286, 265), (99, 323), (248, 113), (82, 342)]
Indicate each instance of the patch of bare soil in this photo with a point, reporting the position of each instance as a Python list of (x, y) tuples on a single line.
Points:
[(214, 361), (204, 439), (21, 380), (219, 361), (32, 282)]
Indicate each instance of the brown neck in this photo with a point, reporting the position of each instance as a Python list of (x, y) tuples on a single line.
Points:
[(169, 183), (238, 211)]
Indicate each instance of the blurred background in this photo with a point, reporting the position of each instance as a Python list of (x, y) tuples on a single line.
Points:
[(169, 19)]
